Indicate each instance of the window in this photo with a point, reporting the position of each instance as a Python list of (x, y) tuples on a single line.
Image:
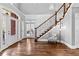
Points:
[(13, 27)]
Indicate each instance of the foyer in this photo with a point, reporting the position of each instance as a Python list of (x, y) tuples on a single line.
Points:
[(49, 29)]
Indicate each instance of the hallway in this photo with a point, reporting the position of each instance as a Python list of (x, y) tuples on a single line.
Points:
[(43, 25), (29, 47)]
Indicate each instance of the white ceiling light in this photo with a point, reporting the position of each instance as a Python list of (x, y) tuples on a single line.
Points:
[(51, 7)]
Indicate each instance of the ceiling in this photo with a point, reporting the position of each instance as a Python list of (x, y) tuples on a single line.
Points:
[(36, 8)]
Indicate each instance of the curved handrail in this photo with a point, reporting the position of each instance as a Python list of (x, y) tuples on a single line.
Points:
[(51, 16)]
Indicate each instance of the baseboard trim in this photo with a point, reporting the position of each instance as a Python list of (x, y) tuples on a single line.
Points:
[(43, 40), (9, 45), (70, 46)]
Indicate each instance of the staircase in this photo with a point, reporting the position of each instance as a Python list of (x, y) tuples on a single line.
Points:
[(52, 21)]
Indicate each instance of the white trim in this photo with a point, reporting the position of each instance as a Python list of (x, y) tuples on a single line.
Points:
[(70, 46), (10, 44), (43, 40)]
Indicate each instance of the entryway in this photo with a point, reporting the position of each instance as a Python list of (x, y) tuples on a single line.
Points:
[(30, 29)]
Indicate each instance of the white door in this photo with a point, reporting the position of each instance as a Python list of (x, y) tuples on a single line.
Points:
[(77, 30), (4, 38), (1, 31)]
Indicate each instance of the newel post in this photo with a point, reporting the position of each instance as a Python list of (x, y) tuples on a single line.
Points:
[(55, 18), (35, 34)]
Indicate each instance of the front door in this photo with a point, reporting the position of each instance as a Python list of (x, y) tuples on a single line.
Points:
[(30, 30)]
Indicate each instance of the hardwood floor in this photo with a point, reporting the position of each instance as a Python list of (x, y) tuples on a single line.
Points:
[(27, 47)]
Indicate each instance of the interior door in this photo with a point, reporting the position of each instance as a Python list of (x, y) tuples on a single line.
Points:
[(1, 34), (4, 27), (7, 31), (77, 30)]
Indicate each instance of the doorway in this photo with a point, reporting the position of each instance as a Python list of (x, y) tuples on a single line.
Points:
[(30, 29)]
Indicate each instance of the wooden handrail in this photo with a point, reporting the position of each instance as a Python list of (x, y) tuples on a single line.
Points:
[(60, 7), (45, 21), (51, 16)]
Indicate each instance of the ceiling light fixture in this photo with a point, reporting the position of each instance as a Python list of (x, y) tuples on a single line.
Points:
[(51, 7)]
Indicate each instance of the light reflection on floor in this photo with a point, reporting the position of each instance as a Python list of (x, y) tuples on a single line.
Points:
[(29, 47)]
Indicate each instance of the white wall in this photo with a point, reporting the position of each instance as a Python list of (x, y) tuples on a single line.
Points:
[(66, 28), (75, 11), (77, 30)]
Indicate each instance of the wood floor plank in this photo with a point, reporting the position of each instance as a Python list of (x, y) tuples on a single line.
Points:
[(27, 47)]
